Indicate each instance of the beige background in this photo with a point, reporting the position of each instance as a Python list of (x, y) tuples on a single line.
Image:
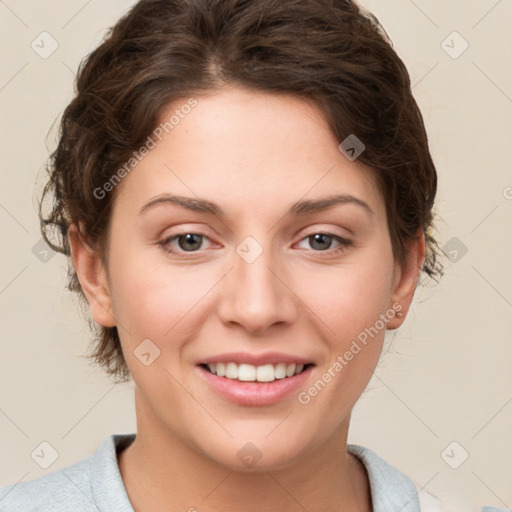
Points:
[(447, 376)]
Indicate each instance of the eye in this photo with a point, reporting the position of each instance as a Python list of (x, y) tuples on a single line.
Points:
[(187, 242), (323, 241)]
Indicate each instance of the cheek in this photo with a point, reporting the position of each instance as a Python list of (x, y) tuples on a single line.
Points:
[(155, 300), (350, 298), (349, 301), (156, 303)]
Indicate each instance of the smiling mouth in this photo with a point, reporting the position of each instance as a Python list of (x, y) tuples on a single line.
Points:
[(249, 373)]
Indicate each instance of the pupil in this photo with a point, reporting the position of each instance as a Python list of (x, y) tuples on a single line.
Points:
[(189, 238), (319, 237)]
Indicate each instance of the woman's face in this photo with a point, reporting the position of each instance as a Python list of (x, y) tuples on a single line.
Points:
[(250, 285)]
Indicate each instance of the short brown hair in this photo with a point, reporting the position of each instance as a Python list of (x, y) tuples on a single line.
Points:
[(330, 52)]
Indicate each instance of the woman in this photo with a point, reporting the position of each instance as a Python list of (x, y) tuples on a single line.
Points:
[(281, 141)]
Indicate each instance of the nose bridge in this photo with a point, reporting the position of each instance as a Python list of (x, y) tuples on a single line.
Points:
[(256, 297)]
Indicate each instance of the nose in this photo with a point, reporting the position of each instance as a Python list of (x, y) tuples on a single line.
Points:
[(257, 294)]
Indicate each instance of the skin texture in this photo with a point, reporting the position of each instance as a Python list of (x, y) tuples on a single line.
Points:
[(254, 154)]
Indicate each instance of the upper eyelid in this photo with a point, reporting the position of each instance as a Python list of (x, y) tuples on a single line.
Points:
[(327, 231), (168, 239)]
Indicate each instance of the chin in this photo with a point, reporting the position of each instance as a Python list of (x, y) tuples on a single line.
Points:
[(258, 453)]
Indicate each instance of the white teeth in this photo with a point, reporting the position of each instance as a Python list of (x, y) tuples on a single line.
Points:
[(250, 373), (232, 371), (280, 371), (247, 372), (265, 373), (290, 370)]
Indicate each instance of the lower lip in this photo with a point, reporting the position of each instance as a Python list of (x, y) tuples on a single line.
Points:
[(255, 393)]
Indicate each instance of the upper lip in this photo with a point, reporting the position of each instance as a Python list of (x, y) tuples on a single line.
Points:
[(256, 359)]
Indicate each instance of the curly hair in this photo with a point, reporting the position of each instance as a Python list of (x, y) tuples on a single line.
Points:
[(329, 52)]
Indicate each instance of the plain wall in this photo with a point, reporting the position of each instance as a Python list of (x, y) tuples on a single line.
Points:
[(447, 375)]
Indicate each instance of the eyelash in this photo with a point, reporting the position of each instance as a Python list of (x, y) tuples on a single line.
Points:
[(344, 242)]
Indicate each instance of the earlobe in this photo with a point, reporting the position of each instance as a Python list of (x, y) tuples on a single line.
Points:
[(406, 280), (93, 278)]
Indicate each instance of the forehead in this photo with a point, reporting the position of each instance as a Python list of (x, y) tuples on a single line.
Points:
[(247, 150)]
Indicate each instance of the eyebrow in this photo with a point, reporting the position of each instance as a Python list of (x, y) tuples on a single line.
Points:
[(299, 208)]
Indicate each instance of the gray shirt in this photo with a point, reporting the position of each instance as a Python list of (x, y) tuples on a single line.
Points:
[(95, 484)]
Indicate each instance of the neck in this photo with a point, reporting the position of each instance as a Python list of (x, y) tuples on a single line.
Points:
[(161, 472)]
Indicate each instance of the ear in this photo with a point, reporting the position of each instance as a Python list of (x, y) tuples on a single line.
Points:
[(405, 280), (93, 278)]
